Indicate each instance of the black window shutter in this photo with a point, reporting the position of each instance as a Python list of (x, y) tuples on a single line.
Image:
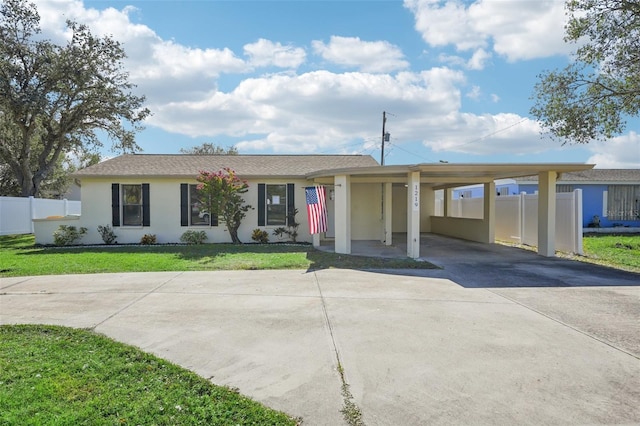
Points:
[(291, 204), (146, 212), (115, 204), (262, 193), (184, 204)]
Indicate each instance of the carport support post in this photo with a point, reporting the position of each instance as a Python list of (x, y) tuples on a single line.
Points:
[(388, 212), (490, 212), (343, 214), (547, 213), (413, 216)]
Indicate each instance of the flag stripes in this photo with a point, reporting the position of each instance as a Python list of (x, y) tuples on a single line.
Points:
[(316, 209)]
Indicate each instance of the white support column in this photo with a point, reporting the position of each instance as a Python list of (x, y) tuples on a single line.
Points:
[(413, 215), (343, 214), (316, 240), (388, 213), (547, 214), (490, 212), (448, 202)]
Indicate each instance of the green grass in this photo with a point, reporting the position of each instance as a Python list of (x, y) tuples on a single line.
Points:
[(619, 251), (20, 257), (60, 376)]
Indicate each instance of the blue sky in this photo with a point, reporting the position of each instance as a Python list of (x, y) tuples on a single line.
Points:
[(304, 77)]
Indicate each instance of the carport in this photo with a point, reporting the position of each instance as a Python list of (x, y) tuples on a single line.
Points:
[(371, 203)]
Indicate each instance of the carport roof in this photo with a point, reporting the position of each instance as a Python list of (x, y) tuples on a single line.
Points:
[(449, 175)]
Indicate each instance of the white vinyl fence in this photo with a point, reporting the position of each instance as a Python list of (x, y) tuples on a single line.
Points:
[(17, 213), (517, 218)]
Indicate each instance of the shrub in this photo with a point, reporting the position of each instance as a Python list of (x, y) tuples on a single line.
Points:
[(260, 236), (193, 237), (68, 235), (291, 230), (148, 239), (106, 232)]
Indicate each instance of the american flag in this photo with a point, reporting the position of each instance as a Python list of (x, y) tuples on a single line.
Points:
[(316, 209)]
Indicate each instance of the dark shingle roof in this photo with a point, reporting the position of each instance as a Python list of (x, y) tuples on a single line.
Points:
[(246, 166), (595, 175)]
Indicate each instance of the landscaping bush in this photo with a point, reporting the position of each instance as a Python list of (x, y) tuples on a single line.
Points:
[(107, 234), (291, 229), (193, 237), (148, 239), (68, 235), (260, 236)]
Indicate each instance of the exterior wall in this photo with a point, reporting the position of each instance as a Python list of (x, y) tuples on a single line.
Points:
[(468, 229), (164, 204), (399, 214), (366, 211), (44, 228)]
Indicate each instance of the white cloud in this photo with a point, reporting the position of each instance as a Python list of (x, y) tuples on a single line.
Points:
[(517, 30), (316, 110), (621, 152), (478, 60), (489, 135), (265, 53), (474, 93), (366, 56)]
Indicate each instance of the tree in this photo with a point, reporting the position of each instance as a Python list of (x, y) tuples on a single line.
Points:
[(56, 184), (590, 98), (54, 98), (210, 149), (221, 193)]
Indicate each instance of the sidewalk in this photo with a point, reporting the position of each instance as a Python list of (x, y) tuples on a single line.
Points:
[(415, 350)]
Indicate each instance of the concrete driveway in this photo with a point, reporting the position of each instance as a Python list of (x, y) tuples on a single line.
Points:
[(429, 349)]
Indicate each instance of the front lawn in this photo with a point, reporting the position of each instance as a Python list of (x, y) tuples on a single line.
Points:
[(20, 257), (60, 376), (619, 251)]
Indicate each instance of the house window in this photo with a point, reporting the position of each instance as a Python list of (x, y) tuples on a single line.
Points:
[(623, 202), (563, 188), (193, 207), (130, 205), (276, 204)]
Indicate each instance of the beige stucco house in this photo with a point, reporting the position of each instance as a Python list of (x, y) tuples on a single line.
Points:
[(155, 194)]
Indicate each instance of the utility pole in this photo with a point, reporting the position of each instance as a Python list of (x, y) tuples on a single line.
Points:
[(385, 136)]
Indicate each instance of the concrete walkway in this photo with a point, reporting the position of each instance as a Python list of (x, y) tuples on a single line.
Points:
[(415, 349)]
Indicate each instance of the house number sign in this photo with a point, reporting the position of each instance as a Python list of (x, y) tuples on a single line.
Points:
[(416, 197)]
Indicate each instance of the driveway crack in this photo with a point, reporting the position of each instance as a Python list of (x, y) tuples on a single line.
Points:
[(133, 302), (350, 410)]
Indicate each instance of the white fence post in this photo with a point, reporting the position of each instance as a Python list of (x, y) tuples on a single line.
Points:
[(578, 221), (32, 209)]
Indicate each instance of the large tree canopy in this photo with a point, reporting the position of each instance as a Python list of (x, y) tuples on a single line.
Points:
[(53, 99), (208, 148), (590, 98)]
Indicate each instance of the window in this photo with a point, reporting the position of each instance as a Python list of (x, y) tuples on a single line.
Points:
[(623, 202), (276, 204), (130, 205), (193, 209), (563, 188)]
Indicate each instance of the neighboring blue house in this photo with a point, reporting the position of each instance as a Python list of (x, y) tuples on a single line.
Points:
[(610, 197), (503, 187)]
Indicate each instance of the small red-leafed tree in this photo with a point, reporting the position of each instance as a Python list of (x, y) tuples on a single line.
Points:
[(221, 193)]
